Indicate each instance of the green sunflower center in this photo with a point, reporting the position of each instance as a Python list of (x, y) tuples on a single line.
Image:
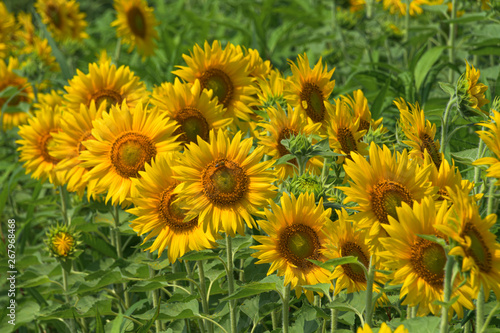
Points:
[(297, 243), (346, 140), (171, 213), (387, 195), (432, 149), (311, 98), (45, 142), (428, 259), (111, 97), (193, 123), (354, 271), (136, 22), (130, 152), (219, 82), (478, 249), (54, 15), (224, 182)]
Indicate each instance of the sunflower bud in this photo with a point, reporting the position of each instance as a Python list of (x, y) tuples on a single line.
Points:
[(299, 145), (62, 242), (306, 183)]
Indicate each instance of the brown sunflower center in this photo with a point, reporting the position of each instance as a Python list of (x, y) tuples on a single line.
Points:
[(130, 152), (220, 83), (432, 149), (54, 15), (85, 136), (311, 98), (136, 22), (45, 142), (111, 97), (363, 125), (346, 140), (386, 196), (428, 259), (297, 243), (353, 271), (478, 249), (193, 123), (172, 214), (442, 194), (224, 182)]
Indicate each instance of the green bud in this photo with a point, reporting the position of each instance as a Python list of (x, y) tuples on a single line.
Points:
[(306, 183)]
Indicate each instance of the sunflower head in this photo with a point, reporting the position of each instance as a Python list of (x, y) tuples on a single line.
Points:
[(470, 93), (384, 328), (62, 242), (306, 183)]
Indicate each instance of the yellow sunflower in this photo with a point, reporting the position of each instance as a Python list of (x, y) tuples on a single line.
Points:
[(159, 215), (256, 65), (51, 99), (63, 18), (105, 82), (136, 24), (358, 104), (14, 115), (35, 144), (492, 139), (7, 30), (418, 263), (226, 72), (296, 232), (281, 126), (61, 242), (125, 141), (383, 329), (420, 131), (399, 6), (271, 90), (76, 128), (470, 92), (223, 182), (477, 245), (308, 89), (193, 109)]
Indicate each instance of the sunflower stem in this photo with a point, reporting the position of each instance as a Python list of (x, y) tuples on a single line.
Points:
[(407, 31), (286, 310), (448, 272), (490, 200), (369, 293), (444, 123), (490, 316), (230, 283), (203, 294), (477, 170), (66, 296), (334, 315), (451, 39), (64, 204), (117, 50), (274, 319), (119, 252), (480, 310), (154, 293), (189, 271)]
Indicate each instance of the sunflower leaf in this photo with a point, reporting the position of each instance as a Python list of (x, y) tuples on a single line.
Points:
[(447, 304), (425, 64), (447, 88), (251, 290), (434, 239), (332, 263)]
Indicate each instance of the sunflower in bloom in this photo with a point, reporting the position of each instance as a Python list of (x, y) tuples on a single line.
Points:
[(308, 89), (358, 105), (296, 233), (256, 65), (419, 263), (193, 109), (383, 329), (399, 6), (7, 30), (271, 90), (470, 92), (104, 82), (420, 131), (51, 99), (281, 126), (63, 18), (223, 183), (226, 72), (492, 139), (8, 78), (125, 141), (477, 245), (61, 242), (36, 142), (136, 24), (159, 215)]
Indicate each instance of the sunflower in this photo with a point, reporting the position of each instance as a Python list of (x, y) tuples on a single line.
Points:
[(76, 128), (477, 245), (256, 65), (358, 105), (223, 182), (383, 329), (14, 115), (35, 144), (63, 18), (296, 233), (104, 83), (271, 90), (281, 126), (420, 131), (125, 141), (135, 24), (492, 140), (193, 109), (399, 6), (7, 30), (61, 242), (51, 99), (308, 89), (226, 72), (159, 215), (470, 92), (419, 263)]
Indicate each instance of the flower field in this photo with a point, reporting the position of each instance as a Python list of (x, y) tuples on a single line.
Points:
[(250, 166)]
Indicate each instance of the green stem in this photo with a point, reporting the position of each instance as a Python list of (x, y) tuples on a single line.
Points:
[(490, 200), (286, 306), (369, 293), (230, 283), (468, 327), (66, 296), (203, 294), (154, 294), (451, 39), (477, 170), (274, 319), (444, 123), (480, 310), (189, 271), (334, 315), (64, 204), (490, 316), (448, 272), (119, 252), (369, 8), (117, 50)]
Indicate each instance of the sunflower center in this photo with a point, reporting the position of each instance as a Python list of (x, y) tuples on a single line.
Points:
[(346, 140), (297, 243), (111, 97), (62, 243), (311, 98), (428, 260), (54, 15), (430, 145), (172, 214), (363, 125), (85, 136), (130, 152), (386, 196), (224, 182), (478, 249), (136, 22), (193, 123), (219, 83), (442, 193), (353, 271), (44, 143)]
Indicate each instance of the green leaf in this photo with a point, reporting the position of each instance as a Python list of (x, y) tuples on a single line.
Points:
[(467, 18), (425, 63), (332, 263), (447, 88), (117, 324), (323, 288), (447, 304), (434, 239), (284, 159), (465, 156), (422, 324), (379, 100), (147, 326), (199, 255), (99, 244), (34, 282), (250, 307), (251, 290), (99, 327), (9, 92)]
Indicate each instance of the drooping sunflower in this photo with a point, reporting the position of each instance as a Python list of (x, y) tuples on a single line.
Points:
[(296, 232), (226, 72), (384, 328), (223, 182), (193, 109), (7, 30), (308, 89), (470, 93), (35, 143), (159, 215), (63, 18), (281, 126), (477, 245), (125, 141), (104, 82), (492, 139), (419, 263), (136, 22), (14, 116)]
